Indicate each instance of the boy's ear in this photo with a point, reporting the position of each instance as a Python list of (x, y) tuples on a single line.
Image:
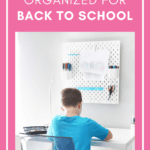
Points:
[(80, 105), (62, 108)]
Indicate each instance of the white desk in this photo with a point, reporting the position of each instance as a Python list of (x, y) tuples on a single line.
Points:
[(122, 138)]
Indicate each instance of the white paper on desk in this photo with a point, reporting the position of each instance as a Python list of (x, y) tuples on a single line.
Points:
[(95, 62)]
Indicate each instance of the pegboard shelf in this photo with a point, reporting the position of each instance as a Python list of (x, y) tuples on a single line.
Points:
[(77, 77)]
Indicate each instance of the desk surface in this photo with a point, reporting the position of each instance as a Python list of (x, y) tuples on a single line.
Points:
[(120, 136)]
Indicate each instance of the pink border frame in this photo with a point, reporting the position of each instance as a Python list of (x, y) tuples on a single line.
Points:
[(146, 75), (3, 76), (15, 26)]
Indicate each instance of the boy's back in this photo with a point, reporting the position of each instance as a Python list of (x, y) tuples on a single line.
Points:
[(80, 129)]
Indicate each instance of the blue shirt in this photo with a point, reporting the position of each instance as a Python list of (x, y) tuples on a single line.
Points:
[(80, 129)]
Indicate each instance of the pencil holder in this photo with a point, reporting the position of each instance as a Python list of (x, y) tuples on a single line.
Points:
[(113, 73), (69, 75), (66, 75)]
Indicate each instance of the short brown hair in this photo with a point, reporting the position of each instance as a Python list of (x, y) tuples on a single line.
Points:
[(71, 97)]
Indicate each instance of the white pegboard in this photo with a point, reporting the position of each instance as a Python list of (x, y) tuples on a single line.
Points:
[(77, 81)]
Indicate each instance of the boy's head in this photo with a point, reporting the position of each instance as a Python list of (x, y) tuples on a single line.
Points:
[(72, 98)]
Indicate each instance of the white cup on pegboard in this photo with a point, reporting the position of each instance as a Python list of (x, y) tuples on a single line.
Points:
[(113, 73), (133, 125)]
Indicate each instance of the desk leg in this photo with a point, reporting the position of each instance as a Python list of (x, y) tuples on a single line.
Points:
[(122, 148), (21, 147), (119, 147), (21, 143), (129, 147)]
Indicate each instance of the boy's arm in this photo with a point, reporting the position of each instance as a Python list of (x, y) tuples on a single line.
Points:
[(109, 136), (99, 131)]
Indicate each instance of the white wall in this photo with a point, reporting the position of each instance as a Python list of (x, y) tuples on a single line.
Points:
[(40, 59)]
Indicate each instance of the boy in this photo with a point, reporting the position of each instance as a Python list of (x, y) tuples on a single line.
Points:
[(72, 125)]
